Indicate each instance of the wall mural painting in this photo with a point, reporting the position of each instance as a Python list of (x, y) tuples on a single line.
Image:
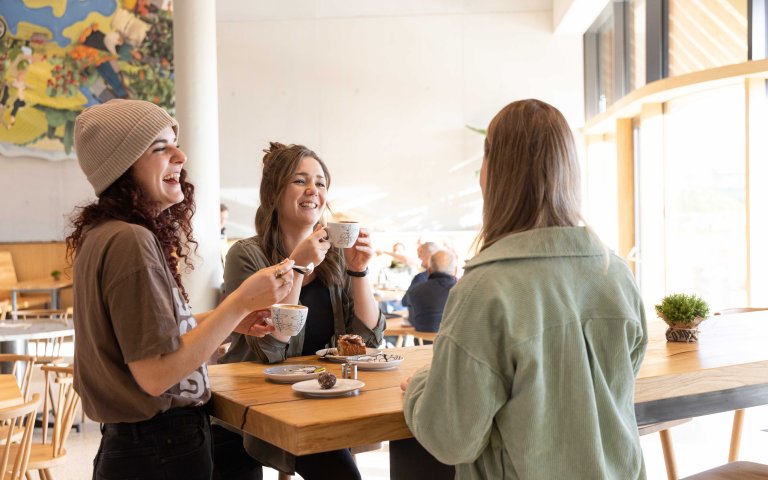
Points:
[(58, 57)]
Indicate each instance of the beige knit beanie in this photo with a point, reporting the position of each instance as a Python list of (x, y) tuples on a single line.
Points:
[(111, 136)]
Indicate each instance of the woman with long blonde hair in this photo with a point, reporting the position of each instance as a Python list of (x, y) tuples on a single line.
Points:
[(534, 366)]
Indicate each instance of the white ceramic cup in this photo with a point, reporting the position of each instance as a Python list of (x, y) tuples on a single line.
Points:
[(289, 319), (343, 234)]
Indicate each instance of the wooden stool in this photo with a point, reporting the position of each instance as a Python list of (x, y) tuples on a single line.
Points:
[(734, 471), (666, 443)]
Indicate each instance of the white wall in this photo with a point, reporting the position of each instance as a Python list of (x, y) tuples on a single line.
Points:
[(37, 196), (382, 97), (384, 100)]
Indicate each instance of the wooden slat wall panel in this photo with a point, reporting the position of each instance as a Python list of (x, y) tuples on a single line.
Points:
[(706, 33), (38, 260)]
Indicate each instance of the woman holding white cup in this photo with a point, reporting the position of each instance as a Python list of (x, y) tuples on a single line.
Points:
[(339, 297)]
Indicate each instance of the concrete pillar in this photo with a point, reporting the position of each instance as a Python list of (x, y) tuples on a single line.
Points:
[(194, 32)]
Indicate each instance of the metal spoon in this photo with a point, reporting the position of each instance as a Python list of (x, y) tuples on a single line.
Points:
[(304, 270)]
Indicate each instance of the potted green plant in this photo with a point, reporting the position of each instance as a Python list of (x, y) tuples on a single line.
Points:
[(56, 274), (683, 313)]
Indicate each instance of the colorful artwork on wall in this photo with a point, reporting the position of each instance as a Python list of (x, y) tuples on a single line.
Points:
[(58, 57)]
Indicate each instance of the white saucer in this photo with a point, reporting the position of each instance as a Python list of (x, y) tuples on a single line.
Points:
[(381, 361), (332, 357), (343, 386), (293, 373)]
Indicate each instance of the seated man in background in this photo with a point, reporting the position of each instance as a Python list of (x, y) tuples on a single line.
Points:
[(424, 252), (427, 299)]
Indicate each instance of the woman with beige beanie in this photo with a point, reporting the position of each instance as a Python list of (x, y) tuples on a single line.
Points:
[(139, 351)]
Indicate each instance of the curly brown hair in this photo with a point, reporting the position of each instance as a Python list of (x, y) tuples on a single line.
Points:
[(280, 161), (125, 200)]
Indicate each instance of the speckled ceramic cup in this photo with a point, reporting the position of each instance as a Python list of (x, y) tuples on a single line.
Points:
[(289, 319), (343, 234)]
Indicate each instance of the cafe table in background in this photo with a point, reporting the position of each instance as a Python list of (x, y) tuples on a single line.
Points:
[(726, 370), (49, 286)]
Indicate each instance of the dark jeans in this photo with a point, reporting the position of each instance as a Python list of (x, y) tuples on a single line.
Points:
[(338, 464), (172, 444), (408, 460), (232, 462)]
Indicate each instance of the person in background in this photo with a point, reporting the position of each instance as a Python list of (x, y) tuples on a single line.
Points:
[(427, 299), (399, 257), (543, 336), (139, 350), (223, 217), (289, 224), (424, 251)]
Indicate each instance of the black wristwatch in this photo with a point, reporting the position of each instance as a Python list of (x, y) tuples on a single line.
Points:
[(357, 274)]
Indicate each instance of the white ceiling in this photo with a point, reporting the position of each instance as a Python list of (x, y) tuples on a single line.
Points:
[(250, 10)]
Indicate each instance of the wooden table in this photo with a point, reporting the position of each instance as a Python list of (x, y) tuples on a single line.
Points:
[(51, 287), (400, 328), (726, 370), (15, 333), (388, 294), (10, 394)]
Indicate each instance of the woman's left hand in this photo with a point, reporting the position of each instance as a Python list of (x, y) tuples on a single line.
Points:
[(255, 324), (358, 255), (404, 383)]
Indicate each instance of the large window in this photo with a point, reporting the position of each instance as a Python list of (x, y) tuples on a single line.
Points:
[(705, 196)]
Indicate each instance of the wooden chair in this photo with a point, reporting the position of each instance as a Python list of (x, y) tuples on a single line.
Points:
[(5, 307), (20, 420), (46, 350), (21, 367), (738, 415), (8, 279), (666, 443), (50, 452), (733, 471)]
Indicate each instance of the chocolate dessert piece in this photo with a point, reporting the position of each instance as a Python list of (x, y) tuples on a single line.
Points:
[(326, 380)]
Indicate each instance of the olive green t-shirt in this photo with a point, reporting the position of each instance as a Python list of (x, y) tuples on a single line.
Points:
[(127, 308)]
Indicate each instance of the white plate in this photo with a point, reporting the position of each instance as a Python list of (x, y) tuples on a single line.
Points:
[(312, 387), (293, 373), (381, 361), (330, 354)]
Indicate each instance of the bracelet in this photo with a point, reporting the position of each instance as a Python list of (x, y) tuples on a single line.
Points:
[(298, 271), (357, 274)]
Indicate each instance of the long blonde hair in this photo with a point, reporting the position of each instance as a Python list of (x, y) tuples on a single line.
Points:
[(531, 171)]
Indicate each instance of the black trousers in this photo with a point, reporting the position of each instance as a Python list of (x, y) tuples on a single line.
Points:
[(232, 462), (172, 444), (408, 460)]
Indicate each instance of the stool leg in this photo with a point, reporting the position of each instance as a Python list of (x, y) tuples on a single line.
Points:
[(669, 454), (738, 422)]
